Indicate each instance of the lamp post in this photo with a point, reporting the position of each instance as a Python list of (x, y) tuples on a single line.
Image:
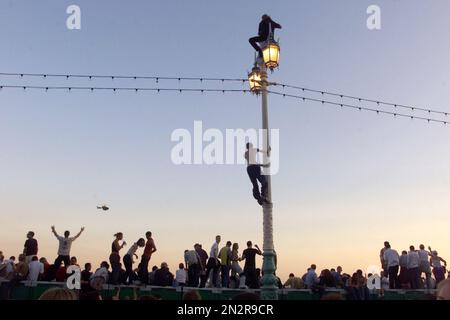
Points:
[(269, 281), (258, 84)]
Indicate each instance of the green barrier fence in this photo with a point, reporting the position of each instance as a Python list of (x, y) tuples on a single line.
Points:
[(32, 291)]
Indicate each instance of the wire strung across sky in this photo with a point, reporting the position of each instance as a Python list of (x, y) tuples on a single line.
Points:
[(201, 79), (223, 90), (378, 102), (112, 77), (360, 108), (202, 90), (114, 89)]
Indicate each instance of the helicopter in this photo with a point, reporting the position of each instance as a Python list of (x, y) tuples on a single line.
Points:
[(103, 207)]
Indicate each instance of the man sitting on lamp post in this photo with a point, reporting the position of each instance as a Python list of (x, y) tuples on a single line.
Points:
[(266, 27)]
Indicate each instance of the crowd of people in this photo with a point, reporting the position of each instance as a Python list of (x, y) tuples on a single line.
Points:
[(405, 271), (220, 268)]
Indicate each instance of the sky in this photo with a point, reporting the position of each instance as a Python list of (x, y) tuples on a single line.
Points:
[(347, 180)]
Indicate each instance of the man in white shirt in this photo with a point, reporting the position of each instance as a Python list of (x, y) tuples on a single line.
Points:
[(392, 260), (424, 264), (102, 271), (213, 264), (35, 268), (311, 277), (65, 243), (9, 272), (181, 275), (193, 263), (413, 262)]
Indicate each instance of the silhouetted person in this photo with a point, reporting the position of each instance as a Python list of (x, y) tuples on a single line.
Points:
[(86, 276), (128, 260), (149, 249), (114, 257), (266, 27), (249, 255), (163, 277), (30, 248)]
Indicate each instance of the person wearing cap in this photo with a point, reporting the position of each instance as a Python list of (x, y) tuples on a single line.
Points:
[(266, 27), (30, 248)]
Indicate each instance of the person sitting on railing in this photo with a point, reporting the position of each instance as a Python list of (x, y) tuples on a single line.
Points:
[(294, 282), (20, 273), (36, 269), (21, 269), (103, 271), (46, 265), (311, 278), (86, 276), (9, 272), (163, 276)]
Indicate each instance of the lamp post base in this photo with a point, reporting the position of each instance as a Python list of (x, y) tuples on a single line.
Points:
[(269, 280)]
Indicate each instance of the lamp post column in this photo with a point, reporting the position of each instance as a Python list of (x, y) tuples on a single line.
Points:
[(269, 281)]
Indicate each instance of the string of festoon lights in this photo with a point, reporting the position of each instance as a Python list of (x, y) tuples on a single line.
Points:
[(360, 108), (114, 89), (222, 90), (119, 77), (360, 99), (217, 79)]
